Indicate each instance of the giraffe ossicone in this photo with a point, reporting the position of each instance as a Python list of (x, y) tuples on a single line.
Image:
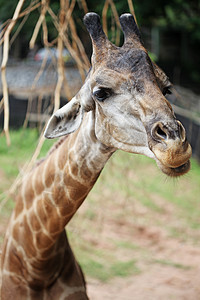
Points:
[(121, 105)]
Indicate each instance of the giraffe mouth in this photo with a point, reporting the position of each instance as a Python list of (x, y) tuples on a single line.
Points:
[(174, 172)]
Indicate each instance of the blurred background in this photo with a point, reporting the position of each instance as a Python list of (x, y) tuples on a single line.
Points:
[(170, 30), (144, 233)]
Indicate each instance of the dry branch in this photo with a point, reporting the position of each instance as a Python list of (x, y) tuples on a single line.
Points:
[(1, 104), (19, 29), (131, 8), (27, 11), (34, 4), (80, 64), (3, 69), (45, 4), (67, 36), (78, 42), (84, 6), (60, 47), (104, 16), (116, 16)]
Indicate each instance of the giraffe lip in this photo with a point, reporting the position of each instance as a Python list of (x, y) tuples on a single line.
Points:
[(182, 169), (174, 172)]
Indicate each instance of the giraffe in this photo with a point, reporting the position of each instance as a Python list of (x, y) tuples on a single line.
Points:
[(121, 105)]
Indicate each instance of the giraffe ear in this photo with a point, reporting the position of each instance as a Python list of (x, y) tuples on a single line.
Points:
[(65, 120)]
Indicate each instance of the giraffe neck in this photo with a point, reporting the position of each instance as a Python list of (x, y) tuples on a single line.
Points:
[(49, 197)]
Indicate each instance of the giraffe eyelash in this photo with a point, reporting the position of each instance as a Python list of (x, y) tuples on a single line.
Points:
[(102, 93)]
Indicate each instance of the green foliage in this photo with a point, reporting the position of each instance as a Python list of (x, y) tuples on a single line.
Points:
[(13, 158), (173, 13), (169, 15), (7, 9)]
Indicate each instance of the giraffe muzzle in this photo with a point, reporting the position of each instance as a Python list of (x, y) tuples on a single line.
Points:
[(171, 148)]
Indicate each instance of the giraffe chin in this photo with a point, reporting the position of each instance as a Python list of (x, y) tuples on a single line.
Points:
[(174, 172)]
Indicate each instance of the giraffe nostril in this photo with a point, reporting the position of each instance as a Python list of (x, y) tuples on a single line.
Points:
[(159, 133)]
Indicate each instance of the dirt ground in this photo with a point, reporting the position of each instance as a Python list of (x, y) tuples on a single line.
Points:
[(157, 280), (162, 281), (169, 267), (179, 281)]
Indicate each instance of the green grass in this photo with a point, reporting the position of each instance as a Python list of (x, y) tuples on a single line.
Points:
[(130, 193), (171, 264), (127, 245), (13, 158), (129, 179), (148, 184), (22, 148), (106, 269), (101, 263)]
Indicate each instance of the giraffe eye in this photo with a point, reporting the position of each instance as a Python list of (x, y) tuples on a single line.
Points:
[(102, 93), (166, 90)]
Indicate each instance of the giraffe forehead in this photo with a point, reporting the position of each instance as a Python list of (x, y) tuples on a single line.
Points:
[(125, 76), (129, 59), (125, 66), (108, 78), (119, 81)]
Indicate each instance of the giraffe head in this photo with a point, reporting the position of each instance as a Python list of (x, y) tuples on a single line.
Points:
[(126, 92)]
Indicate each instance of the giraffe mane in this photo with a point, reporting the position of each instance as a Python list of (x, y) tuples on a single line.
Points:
[(52, 149), (57, 145)]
